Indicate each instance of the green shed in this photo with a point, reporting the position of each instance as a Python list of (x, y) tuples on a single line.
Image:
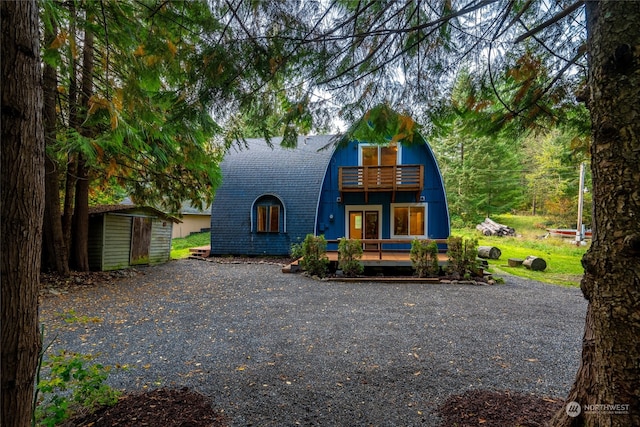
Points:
[(122, 236)]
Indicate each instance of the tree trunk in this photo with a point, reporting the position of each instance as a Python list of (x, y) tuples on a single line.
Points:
[(74, 123), (610, 372), (81, 218), (22, 208), (69, 198), (55, 255), (81, 210)]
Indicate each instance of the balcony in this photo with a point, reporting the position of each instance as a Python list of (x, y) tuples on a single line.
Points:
[(366, 179)]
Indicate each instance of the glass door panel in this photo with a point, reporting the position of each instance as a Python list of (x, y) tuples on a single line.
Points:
[(372, 229), (355, 225)]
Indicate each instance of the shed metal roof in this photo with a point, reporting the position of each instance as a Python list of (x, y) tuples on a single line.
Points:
[(125, 208)]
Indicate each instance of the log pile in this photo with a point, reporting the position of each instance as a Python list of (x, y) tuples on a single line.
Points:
[(492, 228)]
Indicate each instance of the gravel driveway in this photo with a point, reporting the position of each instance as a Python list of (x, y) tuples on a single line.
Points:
[(275, 349)]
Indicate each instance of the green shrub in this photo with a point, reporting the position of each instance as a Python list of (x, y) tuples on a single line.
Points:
[(424, 257), (349, 255), (462, 254), (72, 385), (314, 253), (295, 251)]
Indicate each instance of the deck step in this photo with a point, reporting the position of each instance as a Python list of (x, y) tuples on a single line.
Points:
[(294, 267), (201, 251)]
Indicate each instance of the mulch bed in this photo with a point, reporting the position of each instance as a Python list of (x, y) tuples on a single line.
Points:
[(490, 408), (186, 408), (161, 407)]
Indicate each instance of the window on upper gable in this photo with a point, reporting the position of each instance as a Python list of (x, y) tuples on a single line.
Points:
[(379, 155)]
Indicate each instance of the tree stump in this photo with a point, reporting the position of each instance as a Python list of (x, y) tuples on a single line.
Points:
[(515, 262), (534, 263), (489, 252)]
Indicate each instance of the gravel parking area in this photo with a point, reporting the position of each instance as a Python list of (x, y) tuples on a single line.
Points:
[(275, 349)]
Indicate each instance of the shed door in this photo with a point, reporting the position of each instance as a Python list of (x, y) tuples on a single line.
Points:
[(140, 240)]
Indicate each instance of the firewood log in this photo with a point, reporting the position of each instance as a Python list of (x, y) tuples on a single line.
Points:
[(489, 252), (534, 263)]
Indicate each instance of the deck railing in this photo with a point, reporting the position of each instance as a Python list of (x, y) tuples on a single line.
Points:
[(381, 178), (380, 245)]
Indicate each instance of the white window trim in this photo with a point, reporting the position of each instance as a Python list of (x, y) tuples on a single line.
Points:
[(367, 144), (393, 220), (362, 208)]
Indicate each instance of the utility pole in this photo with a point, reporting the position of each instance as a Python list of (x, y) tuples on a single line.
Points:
[(579, 231)]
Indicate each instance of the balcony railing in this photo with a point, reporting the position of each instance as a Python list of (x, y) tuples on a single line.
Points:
[(381, 178)]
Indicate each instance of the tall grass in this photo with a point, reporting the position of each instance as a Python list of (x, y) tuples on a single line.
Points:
[(563, 257)]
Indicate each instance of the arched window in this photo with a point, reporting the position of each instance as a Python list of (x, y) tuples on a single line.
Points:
[(268, 215)]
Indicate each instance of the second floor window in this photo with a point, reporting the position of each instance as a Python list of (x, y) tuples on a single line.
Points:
[(379, 155)]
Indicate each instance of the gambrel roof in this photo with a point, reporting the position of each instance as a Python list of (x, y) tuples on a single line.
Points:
[(293, 176)]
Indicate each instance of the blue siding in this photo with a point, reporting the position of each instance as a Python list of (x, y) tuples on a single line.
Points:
[(332, 214)]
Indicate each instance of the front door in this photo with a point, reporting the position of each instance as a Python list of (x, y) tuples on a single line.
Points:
[(355, 225)]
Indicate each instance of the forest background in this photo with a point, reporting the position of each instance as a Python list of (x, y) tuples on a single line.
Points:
[(142, 99)]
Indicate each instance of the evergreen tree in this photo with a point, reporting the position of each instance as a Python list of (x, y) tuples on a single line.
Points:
[(144, 89), (22, 184)]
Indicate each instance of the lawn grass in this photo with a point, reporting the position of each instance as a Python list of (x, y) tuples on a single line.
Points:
[(180, 246), (563, 257)]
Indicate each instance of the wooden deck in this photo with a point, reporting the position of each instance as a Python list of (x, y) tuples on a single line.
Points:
[(377, 257), (386, 258), (387, 252), (391, 178)]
